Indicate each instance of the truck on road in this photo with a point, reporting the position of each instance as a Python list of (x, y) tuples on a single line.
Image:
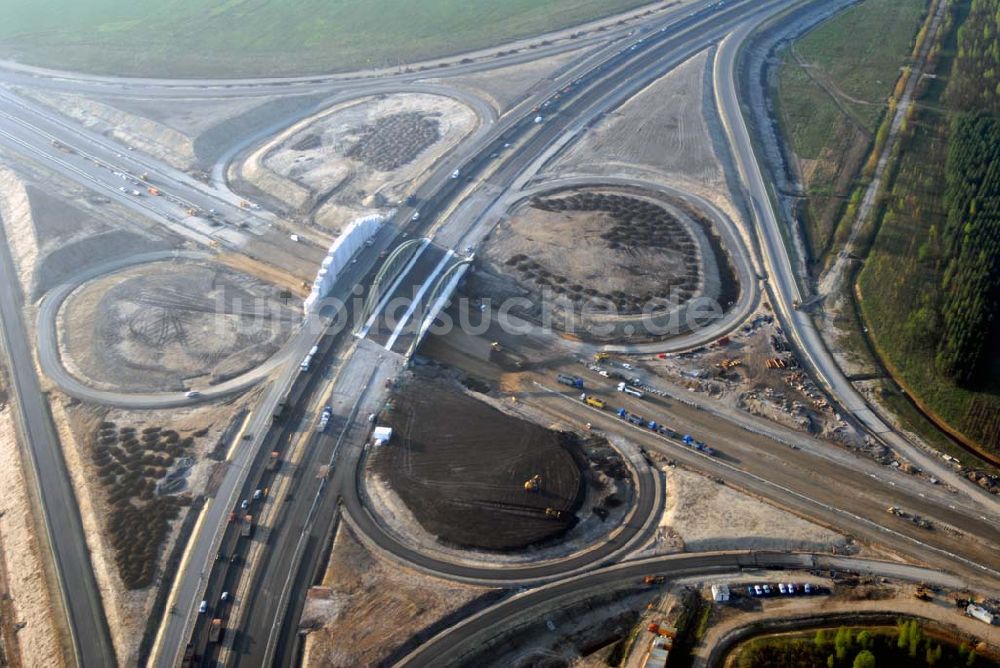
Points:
[(308, 359), (324, 419), (215, 630), (980, 613), (592, 401), (637, 420), (631, 391), (247, 526), (572, 381)]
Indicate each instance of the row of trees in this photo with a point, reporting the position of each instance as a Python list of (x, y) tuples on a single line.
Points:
[(970, 248), (906, 646)]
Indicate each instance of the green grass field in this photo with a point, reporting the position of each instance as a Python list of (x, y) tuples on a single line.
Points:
[(862, 50), (833, 101), (267, 37)]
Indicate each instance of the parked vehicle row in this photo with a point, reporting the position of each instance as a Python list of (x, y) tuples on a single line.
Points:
[(781, 589)]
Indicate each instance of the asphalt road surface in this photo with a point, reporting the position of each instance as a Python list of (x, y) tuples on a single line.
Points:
[(784, 284), (609, 89), (80, 595), (462, 641), (450, 209)]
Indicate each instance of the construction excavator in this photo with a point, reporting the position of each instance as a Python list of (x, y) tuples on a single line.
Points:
[(534, 484)]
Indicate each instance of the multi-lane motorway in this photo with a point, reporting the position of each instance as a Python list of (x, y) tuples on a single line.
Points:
[(592, 100), (450, 647), (317, 483), (78, 595)]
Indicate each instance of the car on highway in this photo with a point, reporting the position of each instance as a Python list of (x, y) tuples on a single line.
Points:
[(203, 607), (244, 504), (224, 597), (455, 174), (191, 394), (415, 216)]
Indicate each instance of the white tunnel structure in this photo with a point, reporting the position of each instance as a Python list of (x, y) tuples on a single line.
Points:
[(351, 240)]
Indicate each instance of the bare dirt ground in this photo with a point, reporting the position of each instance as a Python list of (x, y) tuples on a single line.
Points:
[(505, 87), (609, 489), (171, 325), (753, 370), (15, 209), (367, 606), (673, 146), (187, 133), (356, 156), (38, 640), (703, 515), (129, 547), (632, 255), (190, 118), (461, 467)]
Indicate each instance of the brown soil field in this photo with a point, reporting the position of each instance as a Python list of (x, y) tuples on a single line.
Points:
[(360, 586), (634, 263), (645, 250), (460, 466)]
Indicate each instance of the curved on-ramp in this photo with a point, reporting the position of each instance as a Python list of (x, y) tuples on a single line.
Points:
[(749, 296), (637, 528), (458, 642), (50, 358), (784, 283)]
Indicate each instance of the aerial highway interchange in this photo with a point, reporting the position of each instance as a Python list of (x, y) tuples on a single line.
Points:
[(316, 488)]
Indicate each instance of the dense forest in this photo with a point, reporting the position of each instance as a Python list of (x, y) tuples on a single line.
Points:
[(971, 248), (930, 287), (971, 237)]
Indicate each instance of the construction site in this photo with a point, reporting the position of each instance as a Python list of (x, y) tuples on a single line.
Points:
[(173, 325), (355, 157), (637, 262), (476, 477)]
